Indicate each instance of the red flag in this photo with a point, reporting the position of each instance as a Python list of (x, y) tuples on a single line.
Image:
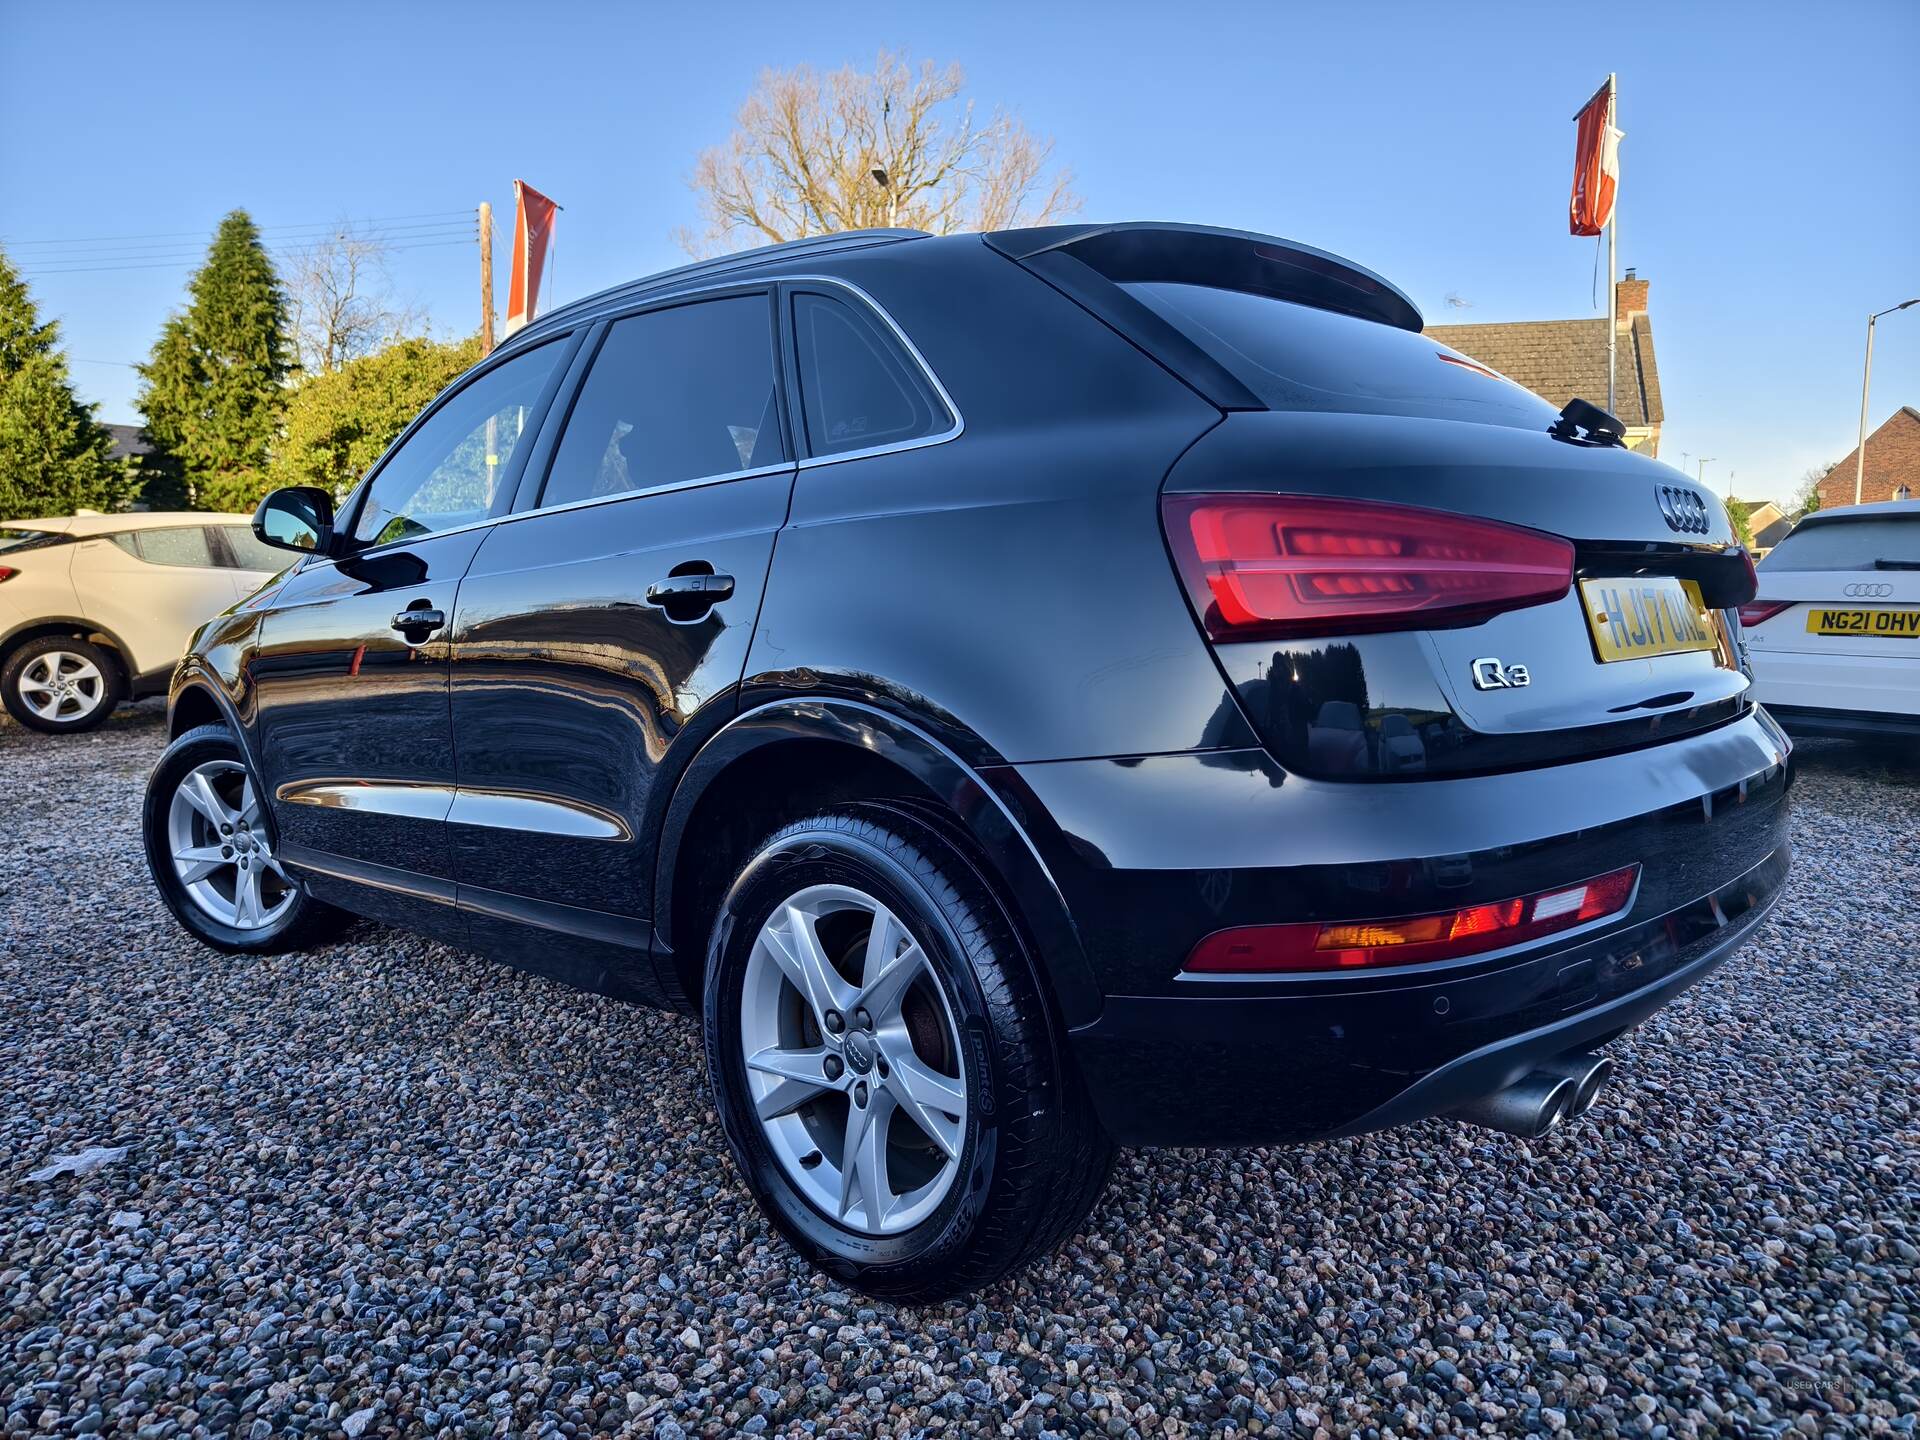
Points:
[(533, 215), (1596, 165)]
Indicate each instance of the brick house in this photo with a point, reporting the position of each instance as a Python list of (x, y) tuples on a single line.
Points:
[(1559, 359), (1893, 460)]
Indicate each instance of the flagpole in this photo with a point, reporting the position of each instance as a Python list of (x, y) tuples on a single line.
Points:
[(1613, 241)]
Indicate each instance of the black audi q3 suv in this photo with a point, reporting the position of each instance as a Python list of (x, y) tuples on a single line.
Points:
[(1025, 694)]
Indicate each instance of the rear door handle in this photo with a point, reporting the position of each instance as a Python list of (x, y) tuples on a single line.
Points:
[(409, 621), (698, 589)]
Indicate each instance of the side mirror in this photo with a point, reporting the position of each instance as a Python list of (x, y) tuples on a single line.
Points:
[(296, 517)]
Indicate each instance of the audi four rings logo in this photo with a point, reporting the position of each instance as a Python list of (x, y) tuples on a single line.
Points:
[(1866, 592), (1683, 509)]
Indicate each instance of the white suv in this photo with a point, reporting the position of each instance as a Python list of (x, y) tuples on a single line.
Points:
[(1834, 633), (95, 609)]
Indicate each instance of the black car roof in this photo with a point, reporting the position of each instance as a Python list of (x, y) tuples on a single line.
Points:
[(1241, 259), (739, 262)]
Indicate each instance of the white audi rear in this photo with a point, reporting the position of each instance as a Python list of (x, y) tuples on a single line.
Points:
[(1834, 633)]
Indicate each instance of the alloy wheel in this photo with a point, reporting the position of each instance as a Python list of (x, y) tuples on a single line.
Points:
[(854, 1063), (221, 849), (62, 686)]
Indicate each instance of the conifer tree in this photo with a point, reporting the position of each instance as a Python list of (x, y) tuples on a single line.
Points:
[(214, 387), (54, 458)]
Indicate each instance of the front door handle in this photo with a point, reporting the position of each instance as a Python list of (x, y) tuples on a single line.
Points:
[(690, 590), (425, 621)]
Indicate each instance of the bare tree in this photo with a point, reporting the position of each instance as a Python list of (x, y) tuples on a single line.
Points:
[(896, 145), (342, 302)]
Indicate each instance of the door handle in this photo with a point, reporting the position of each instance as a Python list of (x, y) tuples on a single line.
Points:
[(408, 621), (690, 590)]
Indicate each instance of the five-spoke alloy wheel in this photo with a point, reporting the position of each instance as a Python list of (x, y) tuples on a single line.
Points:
[(60, 683), (210, 845), (853, 1060), (889, 1078)]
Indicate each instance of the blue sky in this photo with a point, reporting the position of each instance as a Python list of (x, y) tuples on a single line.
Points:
[(1767, 189)]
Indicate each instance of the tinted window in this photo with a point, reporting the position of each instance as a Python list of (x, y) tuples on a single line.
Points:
[(1295, 357), (250, 553), (858, 387), (17, 540), (673, 395), (447, 472), (1890, 542), (187, 545)]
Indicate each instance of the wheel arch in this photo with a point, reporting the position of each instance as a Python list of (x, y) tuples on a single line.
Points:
[(776, 762), (76, 627)]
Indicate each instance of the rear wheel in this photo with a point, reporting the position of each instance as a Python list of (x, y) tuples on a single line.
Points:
[(883, 1065), (211, 851), (61, 684)]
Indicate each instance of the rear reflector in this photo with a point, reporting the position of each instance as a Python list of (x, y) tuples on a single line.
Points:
[(1756, 612), (1266, 567), (1361, 944)]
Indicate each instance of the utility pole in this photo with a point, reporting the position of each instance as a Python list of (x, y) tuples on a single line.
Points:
[(1866, 383), (1700, 476), (486, 278)]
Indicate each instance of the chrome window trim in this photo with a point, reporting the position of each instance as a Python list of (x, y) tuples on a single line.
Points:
[(953, 432), (667, 301)]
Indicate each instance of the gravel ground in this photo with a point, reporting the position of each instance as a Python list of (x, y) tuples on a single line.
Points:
[(390, 1188)]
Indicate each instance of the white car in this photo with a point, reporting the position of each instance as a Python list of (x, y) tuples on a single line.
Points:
[(1834, 633), (95, 609)]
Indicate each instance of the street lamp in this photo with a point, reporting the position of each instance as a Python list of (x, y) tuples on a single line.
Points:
[(1866, 383)]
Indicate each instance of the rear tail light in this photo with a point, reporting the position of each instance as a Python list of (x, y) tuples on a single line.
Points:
[(1363, 944), (1756, 612), (7, 573), (1266, 567)]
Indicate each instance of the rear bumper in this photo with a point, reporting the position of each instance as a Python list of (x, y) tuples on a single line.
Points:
[(1813, 722), (1174, 1059)]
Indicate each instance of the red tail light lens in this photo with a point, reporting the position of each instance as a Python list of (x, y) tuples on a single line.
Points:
[(7, 573), (1756, 612), (1262, 567), (1363, 944)]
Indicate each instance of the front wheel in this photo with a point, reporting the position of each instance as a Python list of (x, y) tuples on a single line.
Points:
[(211, 851), (883, 1064)]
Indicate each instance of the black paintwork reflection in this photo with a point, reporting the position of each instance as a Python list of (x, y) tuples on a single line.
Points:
[(569, 689), (1154, 855), (343, 697), (1368, 707)]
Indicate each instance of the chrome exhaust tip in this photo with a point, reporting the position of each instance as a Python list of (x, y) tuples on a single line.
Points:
[(1588, 1072), (1528, 1108)]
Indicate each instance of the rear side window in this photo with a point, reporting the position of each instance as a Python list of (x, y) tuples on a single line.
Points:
[(247, 552), (184, 545), (1297, 357), (859, 389), (1890, 542), (673, 395)]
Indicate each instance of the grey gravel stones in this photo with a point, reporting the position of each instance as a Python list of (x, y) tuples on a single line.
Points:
[(386, 1188)]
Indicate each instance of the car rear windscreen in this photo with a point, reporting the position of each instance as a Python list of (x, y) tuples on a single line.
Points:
[(13, 540), (1890, 542), (1297, 357)]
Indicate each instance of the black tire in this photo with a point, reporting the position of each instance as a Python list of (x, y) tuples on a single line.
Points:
[(112, 688), (1034, 1157), (305, 922)]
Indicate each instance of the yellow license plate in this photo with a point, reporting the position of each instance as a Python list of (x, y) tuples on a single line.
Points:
[(1884, 624), (1656, 615)]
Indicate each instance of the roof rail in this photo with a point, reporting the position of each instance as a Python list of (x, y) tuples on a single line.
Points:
[(722, 265)]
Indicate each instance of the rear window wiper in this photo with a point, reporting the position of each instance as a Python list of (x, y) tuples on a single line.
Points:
[(1883, 563)]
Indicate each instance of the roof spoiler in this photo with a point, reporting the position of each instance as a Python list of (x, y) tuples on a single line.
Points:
[(1229, 259)]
